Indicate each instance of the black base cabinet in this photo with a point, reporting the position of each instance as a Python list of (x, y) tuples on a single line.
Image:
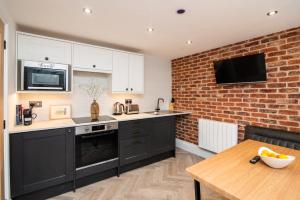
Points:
[(134, 140), (40, 160), (146, 138), (42, 163), (162, 138)]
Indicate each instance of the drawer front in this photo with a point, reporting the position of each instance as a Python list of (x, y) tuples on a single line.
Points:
[(132, 150), (134, 128)]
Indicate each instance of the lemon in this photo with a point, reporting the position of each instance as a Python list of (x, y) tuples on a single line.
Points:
[(283, 156), (264, 154), (273, 155)]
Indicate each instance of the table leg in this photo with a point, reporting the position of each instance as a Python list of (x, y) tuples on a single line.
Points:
[(197, 190)]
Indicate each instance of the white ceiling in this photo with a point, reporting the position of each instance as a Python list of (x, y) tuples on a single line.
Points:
[(208, 23)]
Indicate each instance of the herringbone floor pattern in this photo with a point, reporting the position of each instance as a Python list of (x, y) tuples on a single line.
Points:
[(164, 180)]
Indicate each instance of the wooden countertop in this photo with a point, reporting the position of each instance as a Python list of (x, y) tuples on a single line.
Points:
[(63, 123), (230, 174)]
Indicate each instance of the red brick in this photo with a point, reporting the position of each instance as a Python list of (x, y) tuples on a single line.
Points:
[(276, 53), (269, 39), (295, 118), (259, 115), (293, 62), (289, 79), (289, 123), (277, 96), (288, 112), (281, 117), (268, 121), (290, 45), (289, 34)]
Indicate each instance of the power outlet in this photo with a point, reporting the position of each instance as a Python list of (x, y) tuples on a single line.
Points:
[(36, 104)]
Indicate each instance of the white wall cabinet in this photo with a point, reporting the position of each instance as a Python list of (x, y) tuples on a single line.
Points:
[(43, 49), (120, 74), (92, 58), (127, 68), (136, 73), (128, 73)]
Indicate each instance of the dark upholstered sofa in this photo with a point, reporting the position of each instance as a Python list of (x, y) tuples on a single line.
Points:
[(273, 136)]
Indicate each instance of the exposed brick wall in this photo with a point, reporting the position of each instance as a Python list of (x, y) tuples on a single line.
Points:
[(274, 104)]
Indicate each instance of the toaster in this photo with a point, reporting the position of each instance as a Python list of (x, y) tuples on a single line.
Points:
[(132, 109)]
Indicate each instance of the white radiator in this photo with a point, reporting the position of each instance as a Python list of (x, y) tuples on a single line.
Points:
[(216, 136)]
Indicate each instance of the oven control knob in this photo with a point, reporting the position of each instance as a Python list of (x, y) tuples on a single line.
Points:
[(108, 127), (86, 129)]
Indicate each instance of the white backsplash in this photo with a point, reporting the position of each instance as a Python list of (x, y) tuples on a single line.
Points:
[(158, 83)]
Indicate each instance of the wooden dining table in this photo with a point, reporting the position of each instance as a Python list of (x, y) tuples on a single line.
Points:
[(231, 175)]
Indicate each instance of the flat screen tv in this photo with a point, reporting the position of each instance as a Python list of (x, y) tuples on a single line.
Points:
[(246, 69)]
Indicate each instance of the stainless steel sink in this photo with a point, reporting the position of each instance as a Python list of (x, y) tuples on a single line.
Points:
[(161, 112)]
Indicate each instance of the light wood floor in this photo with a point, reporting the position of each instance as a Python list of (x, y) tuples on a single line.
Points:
[(164, 180)]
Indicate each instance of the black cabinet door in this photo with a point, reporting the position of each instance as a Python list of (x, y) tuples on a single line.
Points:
[(162, 136), (134, 149), (134, 142), (41, 159)]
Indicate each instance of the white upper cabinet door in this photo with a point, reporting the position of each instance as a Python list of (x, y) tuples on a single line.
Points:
[(42, 49), (120, 72), (136, 73), (91, 58)]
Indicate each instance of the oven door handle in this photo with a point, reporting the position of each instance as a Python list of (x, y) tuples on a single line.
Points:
[(94, 136)]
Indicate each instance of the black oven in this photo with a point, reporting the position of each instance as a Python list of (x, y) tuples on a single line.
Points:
[(96, 144), (43, 76)]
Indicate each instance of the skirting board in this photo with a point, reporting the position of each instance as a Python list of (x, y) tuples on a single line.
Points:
[(192, 148)]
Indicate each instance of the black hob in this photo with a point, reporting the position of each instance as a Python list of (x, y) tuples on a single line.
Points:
[(101, 118)]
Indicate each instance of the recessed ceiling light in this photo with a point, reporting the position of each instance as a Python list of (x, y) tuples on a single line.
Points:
[(273, 12), (150, 29), (180, 11), (189, 42), (87, 11)]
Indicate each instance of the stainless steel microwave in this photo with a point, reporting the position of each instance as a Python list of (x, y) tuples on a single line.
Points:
[(43, 76)]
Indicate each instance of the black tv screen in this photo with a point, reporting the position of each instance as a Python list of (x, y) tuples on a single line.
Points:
[(251, 68)]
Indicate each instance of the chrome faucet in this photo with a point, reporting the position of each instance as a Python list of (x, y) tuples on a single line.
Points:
[(157, 106)]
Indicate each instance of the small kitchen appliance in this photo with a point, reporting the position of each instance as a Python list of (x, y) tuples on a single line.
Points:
[(96, 145), (27, 115), (131, 108), (43, 76), (118, 108)]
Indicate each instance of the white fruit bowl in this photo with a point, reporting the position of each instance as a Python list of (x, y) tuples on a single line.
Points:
[(275, 162)]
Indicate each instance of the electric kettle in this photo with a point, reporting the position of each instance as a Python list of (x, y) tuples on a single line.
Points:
[(118, 108)]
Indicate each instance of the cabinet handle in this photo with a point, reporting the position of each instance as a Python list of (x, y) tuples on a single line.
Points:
[(46, 58), (94, 66), (130, 157), (126, 89), (131, 89)]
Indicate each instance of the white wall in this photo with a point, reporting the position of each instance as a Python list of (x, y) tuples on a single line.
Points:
[(158, 83)]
